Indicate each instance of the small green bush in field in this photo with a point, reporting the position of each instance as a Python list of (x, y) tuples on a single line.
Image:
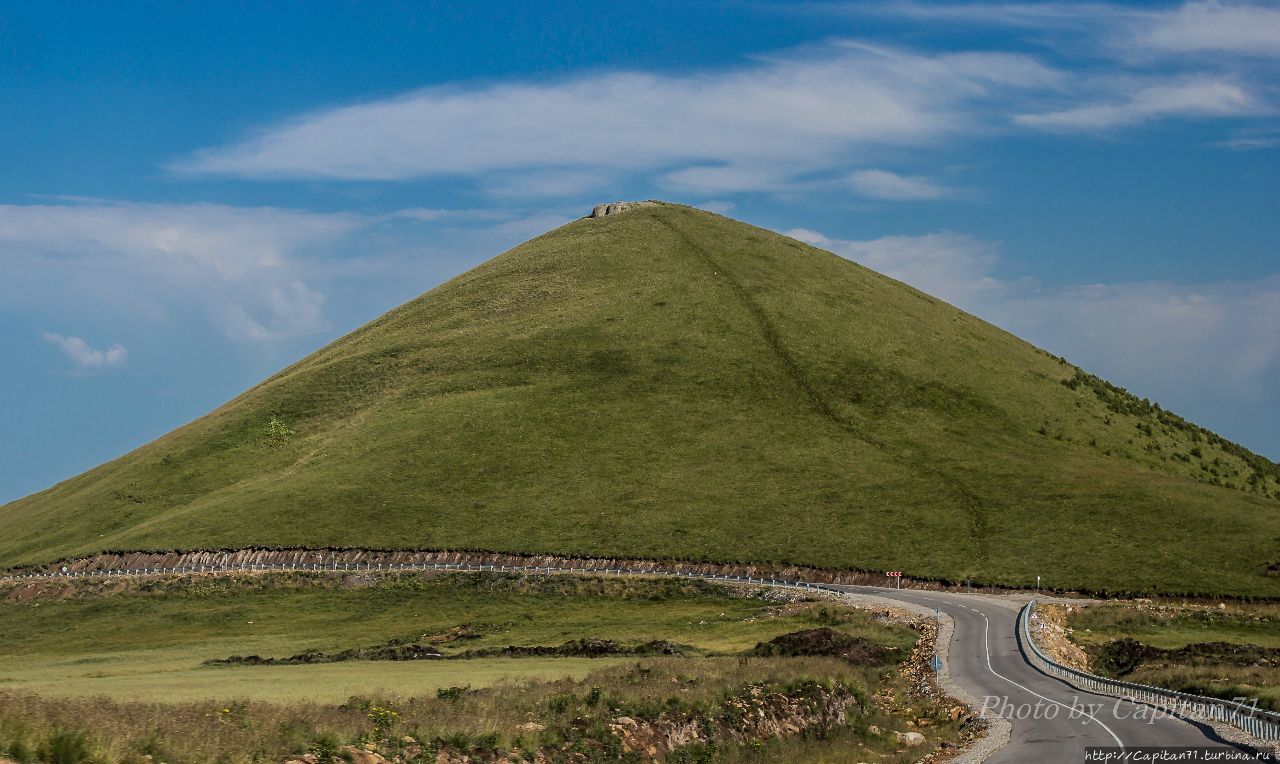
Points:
[(64, 747), (451, 693), (325, 745), (19, 752), (561, 703)]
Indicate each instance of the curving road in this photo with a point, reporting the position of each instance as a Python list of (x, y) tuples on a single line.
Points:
[(985, 659)]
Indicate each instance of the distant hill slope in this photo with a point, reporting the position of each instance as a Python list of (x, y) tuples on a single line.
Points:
[(666, 382)]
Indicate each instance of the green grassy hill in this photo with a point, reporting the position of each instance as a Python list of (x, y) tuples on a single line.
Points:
[(667, 382)]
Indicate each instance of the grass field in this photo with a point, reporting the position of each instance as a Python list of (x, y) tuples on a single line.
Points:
[(114, 671), (669, 383), (1171, 626), (150, 640), (173, 677), (1232, 651)]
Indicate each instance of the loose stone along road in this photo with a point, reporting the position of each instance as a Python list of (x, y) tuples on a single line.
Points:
[(1048, 721)]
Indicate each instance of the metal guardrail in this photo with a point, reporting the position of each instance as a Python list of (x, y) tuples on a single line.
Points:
[(1261, 724)]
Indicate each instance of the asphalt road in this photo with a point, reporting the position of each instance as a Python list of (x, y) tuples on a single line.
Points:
[(985, 659)]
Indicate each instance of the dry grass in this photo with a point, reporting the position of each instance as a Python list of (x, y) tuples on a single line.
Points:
[(574, 712), (1214, 669), (107, 704), (1170, 625)]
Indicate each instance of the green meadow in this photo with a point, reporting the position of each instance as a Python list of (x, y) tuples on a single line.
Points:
[(115, 671)]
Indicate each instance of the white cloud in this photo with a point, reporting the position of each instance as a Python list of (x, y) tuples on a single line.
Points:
[(239, 264), (1195, 98), (780, 123), (546, 184), (718, 206), (714, 130), (1176, 340), (1171, 341), (951, 266), (1226, 27), (711, 179), (201, 239), (1210, 26), (435, 215), (1249, 140), (1029, 15), (253, 275), (882, 184), (86, 358), (286, 311), (1129, 65)]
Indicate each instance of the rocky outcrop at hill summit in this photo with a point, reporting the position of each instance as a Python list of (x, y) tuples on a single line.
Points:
[(600, 210)]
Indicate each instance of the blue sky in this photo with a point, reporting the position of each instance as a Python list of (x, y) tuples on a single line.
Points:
[(194, 195)]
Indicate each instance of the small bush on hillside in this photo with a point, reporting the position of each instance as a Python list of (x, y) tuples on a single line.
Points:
[(467, 743), (276, 433), (65, 748), (19, 752), (561, 703), (325, 745), (694, 753)]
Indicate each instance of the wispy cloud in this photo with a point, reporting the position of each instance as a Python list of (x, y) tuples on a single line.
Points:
[(288, 310), (1195, 98), (794, 117), (1174, 341), (1220, 27), (254, 274), (436, 215), (955, 267), (1209, 26), (749, 126), (1248, 140), (1122, 65), (238, 263), (85, 357), (718, 206), (882, 184)]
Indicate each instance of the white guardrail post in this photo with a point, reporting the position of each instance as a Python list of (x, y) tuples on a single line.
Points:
[(1263, 725)]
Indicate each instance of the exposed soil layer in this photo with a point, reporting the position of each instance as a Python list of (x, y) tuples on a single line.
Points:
[(1122, 656), (402, 651), (387, 652), (825, 641), (580, 648)]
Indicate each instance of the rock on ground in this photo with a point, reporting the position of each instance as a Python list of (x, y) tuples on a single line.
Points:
[(600, 210)]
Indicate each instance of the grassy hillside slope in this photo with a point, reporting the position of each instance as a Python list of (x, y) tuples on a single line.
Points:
[(666, 382)]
